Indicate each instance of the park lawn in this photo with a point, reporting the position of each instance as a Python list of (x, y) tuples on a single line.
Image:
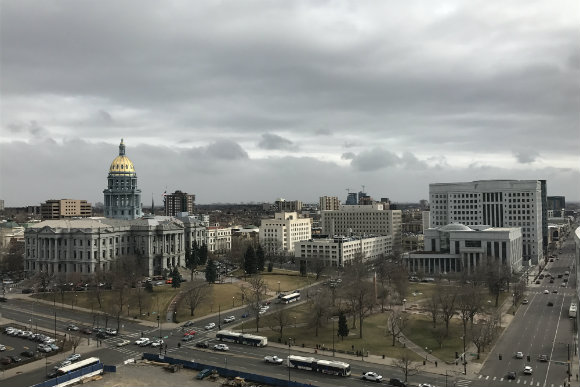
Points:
[(419, 331), (289, 280), (221, 298), (152, 303)]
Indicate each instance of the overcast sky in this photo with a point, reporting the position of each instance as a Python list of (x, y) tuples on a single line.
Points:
[(240, 101)]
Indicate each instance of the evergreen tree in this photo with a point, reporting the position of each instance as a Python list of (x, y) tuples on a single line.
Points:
[(202, 256), (176, 278), (260, 258), (342, 325), (270, 266), (149, 286), (211, 271), (250, 262)]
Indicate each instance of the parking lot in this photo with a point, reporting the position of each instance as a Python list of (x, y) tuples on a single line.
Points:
[(18, 350)]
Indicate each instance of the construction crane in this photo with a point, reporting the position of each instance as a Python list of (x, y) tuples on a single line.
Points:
[(363, 187), (348, 190)]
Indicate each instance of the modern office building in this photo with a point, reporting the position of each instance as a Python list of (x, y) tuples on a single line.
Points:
[(341, 251), (456, 248), (282, 232), (178, 202), (65, 209), (122, 197), (495, 203), (351, 199), (329, 203), (556, 203), (360, 220)]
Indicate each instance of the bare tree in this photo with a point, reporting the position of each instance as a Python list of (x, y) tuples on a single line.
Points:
[(406, 365), (75, 340), (318, 266), (432, 306), (255, 294), (359, 292), (447, 303), (519, 290), (44, 279), (400, 280), (319, 310), (483, 333), (195, 295), (278, 321), (439, 334), (396, 324)]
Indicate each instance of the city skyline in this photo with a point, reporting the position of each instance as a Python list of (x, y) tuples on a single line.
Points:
[(250, 102)]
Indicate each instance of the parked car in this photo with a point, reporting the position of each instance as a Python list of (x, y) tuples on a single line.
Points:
[(204, 373), (550, 303), (525, 301), (28, 353), (209, 326), (273, 359), (2, 348), (5, 361), (221, 347), (528, 370), (511, 375), (372, 376), (73, 357), (15, 359), (397, 382)]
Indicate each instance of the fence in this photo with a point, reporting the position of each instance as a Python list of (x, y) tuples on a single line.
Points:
[(226, 372), (70, 378)]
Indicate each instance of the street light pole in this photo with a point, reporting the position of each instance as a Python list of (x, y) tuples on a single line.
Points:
[(288, 360), (332, 336)]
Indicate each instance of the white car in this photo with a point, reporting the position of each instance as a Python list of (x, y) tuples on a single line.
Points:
[(74, 357), (546, 291), (111, 331), (209, 326), (519, 355), (229, 319), (372, 376), (157, 343), (273, 359), (2, 348), (528, 370), (122, 343), (142, 340), (221, 347)]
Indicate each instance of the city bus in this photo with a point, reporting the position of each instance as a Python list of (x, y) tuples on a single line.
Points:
[(324, 366), (290, 298), (92, 365), (240, 338), (573, 310)]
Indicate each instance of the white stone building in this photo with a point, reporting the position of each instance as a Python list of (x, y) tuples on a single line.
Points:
[(360, 220), (282, 232), (458, 248), (341, 251), (496, 203)]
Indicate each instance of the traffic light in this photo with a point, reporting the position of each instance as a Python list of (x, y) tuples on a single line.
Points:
[(528, 357), (500, 356)]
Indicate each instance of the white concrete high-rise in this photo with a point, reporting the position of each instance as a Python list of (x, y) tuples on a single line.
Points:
[(496, 203), (282, 232)]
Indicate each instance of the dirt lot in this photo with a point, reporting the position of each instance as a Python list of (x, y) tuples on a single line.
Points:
[(142, 374)]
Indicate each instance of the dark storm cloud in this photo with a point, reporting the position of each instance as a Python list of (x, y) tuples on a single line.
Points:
[(274, 142), (409, 86)]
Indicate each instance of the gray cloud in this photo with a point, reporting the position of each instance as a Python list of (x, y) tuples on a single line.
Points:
[(526, 157), (403, 88), (271, 141)]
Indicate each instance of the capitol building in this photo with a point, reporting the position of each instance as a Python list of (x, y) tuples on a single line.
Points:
[(81, 247)]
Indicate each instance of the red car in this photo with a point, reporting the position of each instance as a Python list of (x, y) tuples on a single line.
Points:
[(189, 333)]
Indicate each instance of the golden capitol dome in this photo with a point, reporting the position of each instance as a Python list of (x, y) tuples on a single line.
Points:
[(121, 164)]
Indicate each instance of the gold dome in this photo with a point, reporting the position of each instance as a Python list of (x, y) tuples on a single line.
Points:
[(122, 164)]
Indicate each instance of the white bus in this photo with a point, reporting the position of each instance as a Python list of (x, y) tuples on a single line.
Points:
[(325, 366), (573, 310), (239, 338), (94, 363), (290, 298)]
